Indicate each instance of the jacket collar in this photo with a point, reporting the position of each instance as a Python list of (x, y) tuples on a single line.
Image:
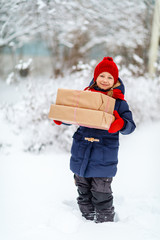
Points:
[(116, 92)]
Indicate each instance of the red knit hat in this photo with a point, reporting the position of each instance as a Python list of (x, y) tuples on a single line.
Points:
[(106, 65)]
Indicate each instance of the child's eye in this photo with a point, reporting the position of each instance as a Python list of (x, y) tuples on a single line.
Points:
[(101, 75)]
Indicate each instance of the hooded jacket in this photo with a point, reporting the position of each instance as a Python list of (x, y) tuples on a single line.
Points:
[(100, 159)]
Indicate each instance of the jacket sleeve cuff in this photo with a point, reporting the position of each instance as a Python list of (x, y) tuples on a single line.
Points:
[(67, 124), (128, 127)]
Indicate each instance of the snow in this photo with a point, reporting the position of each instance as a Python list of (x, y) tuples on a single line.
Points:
[(138, 59), (38, 195), (37, 191), (26, 103), (23, 65)]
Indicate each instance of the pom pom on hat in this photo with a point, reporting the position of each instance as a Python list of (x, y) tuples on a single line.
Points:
[(106, 65)]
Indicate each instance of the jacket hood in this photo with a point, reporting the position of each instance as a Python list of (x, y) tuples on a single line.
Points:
[(119, 85)]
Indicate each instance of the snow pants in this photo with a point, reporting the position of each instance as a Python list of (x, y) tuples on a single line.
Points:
[(95, 198)]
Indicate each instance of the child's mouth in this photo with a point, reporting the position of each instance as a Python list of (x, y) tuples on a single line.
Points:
[(104, 85)]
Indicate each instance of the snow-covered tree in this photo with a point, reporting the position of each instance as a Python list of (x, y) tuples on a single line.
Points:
[(155, 38), (19, 21), (78, 29)]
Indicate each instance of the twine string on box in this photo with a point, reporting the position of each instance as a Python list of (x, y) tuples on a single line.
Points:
[(76, 101)]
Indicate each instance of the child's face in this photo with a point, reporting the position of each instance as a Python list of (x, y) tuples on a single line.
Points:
[(105, 81)]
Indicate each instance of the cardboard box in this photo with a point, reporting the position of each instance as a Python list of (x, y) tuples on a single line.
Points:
[(85, 99), (81, 117)]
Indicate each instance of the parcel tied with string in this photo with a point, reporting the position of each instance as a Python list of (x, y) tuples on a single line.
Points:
[(85, 99), (81, 116)]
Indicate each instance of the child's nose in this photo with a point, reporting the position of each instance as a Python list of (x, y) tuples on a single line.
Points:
[(106, 79)]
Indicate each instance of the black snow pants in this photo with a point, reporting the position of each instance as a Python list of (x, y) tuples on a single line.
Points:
[(95, 198)]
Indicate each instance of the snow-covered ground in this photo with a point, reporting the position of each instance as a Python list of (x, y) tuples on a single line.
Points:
[(38, 196)]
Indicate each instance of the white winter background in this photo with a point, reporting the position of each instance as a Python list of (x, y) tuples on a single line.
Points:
[(37, 191)]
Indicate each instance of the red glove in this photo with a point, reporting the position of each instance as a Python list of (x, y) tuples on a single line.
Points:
[(57, 122), (117, 124)]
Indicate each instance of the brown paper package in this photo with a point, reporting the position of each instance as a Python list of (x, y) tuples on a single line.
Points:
[(85, 99), (80, 116)]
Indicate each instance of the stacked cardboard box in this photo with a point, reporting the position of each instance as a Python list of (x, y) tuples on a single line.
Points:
[(84, 108)]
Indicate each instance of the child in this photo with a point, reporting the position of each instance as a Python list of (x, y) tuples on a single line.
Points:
[(94, 152)]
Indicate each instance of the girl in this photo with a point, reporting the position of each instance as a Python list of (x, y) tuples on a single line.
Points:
[(94, 152)]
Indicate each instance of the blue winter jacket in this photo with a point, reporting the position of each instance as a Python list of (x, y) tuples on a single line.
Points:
[(99, 159)]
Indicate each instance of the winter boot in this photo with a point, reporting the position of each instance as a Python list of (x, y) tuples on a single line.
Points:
[(87, 211), (85, 205), (105, 215)]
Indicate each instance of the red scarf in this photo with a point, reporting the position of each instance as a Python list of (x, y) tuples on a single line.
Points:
[(115, 93)]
